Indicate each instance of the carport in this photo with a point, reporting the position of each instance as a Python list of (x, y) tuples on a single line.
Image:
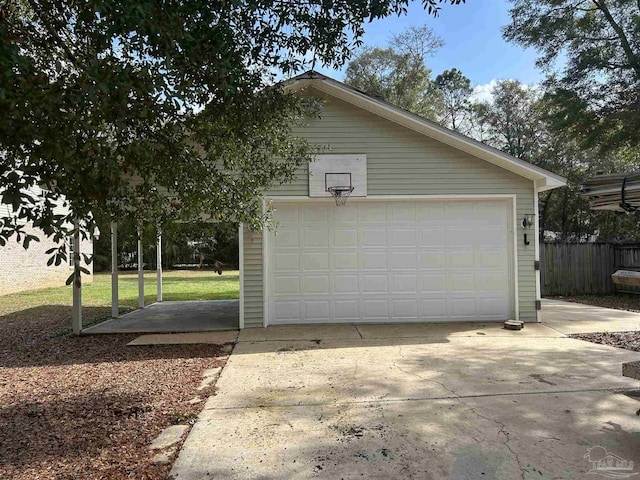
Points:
[(161, 316), (174, 317)]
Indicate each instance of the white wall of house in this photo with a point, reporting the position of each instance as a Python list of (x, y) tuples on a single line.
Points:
[(22, 270)]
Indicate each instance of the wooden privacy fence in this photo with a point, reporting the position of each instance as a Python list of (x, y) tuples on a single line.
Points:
[(585, 268)]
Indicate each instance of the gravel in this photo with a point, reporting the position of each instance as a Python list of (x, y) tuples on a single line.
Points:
[(88, 407), (627, 340)]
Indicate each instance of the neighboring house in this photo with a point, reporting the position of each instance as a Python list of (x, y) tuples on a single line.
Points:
[(439, 227), (22, 269)]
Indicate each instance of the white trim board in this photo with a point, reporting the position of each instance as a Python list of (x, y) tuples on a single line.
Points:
[(241, 275)]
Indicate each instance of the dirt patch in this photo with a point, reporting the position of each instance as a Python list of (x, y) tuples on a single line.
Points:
[(88, 407), (627, 340), (620, 301)]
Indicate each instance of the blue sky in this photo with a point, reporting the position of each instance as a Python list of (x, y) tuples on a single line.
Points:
[(472, 33)]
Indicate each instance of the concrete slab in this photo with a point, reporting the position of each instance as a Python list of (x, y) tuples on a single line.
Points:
[(299, 332), (194, 338), (390, 330), (569, 317), (170, 317), (413, 402), (168, 437), (520, 436)]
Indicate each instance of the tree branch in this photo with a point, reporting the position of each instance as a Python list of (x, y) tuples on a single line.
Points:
[(45, 21), (631, 56)]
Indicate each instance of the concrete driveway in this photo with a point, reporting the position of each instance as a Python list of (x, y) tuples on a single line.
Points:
[(416, 401)]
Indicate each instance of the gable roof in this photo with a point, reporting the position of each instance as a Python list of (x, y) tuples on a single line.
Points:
[(544, 180)]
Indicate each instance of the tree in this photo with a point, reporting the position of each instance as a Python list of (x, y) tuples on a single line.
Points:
[(398, 73), (517, 120), (592, 49), (510, 121), (158, 109), (456, 90)]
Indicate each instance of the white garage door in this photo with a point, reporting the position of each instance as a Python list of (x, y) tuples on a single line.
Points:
[(399, 261)]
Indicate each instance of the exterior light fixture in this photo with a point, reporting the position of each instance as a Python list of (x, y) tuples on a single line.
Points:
[(527, 222)]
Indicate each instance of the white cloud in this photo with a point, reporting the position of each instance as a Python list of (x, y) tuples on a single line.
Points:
[(482, 93)]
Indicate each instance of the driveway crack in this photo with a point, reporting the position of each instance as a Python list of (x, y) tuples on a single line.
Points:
[(502, 427)]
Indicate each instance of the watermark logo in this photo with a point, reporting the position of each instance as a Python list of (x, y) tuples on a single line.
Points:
[(608, 464)]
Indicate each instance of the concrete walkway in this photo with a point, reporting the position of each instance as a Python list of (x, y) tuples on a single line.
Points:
[(569, 317), (169, 317), (416, 401)]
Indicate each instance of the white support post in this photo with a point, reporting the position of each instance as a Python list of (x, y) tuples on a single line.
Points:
[(114, 270), (76, 314), (140, 271), (536, 223), (159, 263), (241, 267)]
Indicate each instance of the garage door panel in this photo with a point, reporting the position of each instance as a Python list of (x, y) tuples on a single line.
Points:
[(346, 309), (315, 214), (433, 258), (459, 237), (287, 284), (345, 260), (402, 283), (315, 238), (460, 212), (287, 310), (403, 260), (491, 258), (346, 237), (402, 237), (460, 257), (372, 283), (374, 261), (402, 212), (433, 236), (433, 282), (372, 237), (487, 237), (462, 307), (346, 283), (405, 308), (287, 261), (287, 213), (372, 213), (348, 214), (316, 285), (286, 238), (492, 281), (434, 308), (316, 261), (461, 282), (430, 212), (375, 309), (317, 309)]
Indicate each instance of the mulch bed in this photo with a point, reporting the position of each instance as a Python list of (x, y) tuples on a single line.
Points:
[(627, 340), (88, 407), (620, 301)]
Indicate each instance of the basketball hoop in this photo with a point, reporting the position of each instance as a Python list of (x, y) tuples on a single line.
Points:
[(340, 194)]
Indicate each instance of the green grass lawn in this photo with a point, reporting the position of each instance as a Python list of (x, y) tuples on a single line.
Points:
[(180, 285)]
